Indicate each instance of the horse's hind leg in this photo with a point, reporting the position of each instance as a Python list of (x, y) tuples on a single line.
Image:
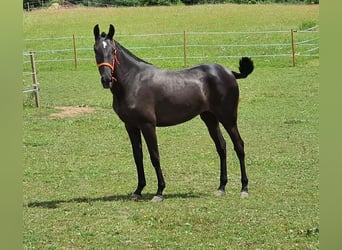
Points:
[(215, 133), (234, 134)]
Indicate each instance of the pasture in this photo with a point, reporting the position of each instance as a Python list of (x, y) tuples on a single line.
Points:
[(78, 170)]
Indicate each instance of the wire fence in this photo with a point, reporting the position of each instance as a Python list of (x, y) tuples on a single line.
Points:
[(180, 49)]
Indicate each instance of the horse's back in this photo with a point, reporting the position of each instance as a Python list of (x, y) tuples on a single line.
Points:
[(218, 80), (181, 95), (221, 89)]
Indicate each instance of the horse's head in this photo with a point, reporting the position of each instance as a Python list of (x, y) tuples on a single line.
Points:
[(104, 49)]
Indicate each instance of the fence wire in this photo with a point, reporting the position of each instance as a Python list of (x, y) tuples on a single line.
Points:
[(199, 46)]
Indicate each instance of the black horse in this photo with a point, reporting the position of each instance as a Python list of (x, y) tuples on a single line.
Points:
[(145, 96)]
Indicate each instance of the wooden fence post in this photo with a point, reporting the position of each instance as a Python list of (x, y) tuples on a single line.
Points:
[(34, 78), (293, 48), (75, 50), (184, 49)]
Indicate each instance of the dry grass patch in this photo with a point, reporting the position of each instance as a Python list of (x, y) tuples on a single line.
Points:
[(69, 111)]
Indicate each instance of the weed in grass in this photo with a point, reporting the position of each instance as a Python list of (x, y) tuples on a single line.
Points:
[(307, 24)]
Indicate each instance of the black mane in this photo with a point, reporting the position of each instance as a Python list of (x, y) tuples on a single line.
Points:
[(130, 53)]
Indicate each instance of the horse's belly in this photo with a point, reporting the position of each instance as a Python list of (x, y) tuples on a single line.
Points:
[(168, 113), (173, 120)]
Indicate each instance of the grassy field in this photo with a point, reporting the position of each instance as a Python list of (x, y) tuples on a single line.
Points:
[(208, 18), (78, 171)]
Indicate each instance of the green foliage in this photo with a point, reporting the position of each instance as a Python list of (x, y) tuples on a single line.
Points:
[(103, 3), (307, 24)]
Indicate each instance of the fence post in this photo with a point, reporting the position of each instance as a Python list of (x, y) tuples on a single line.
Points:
[(75, 50), (293, 48), (184, 49), (34, 78)]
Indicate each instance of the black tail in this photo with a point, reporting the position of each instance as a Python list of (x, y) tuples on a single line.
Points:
[(245, 66)]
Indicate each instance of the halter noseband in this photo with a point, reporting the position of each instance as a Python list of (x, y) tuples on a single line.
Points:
[(111, 66)]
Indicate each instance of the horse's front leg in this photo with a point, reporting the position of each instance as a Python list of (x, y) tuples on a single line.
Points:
[(149, 132), (135, 137)]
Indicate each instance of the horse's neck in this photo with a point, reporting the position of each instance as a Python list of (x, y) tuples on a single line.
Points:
[(130, 55), (128, 65)]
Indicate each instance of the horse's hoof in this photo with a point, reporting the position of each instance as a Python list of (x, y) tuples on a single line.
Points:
[(157, 198), (244, 194), (219, 193), (136, 197)]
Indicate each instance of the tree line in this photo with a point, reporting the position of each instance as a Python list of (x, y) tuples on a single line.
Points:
[(29, 4)]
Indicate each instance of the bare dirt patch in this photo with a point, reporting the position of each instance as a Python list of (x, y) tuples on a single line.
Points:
[(70, 111)]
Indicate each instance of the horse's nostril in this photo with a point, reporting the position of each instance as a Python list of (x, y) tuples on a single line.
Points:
[(106, 83), (105, 79)]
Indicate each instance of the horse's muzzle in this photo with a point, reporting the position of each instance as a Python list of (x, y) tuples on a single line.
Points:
[(106, 83)]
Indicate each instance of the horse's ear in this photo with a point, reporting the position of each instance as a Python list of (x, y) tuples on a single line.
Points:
[(96, 31), (111, 32)]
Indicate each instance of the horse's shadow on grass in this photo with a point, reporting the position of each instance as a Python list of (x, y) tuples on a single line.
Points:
[(146, 197)]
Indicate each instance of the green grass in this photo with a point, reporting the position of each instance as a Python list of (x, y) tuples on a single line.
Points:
[(78, 172), (151, 20)]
